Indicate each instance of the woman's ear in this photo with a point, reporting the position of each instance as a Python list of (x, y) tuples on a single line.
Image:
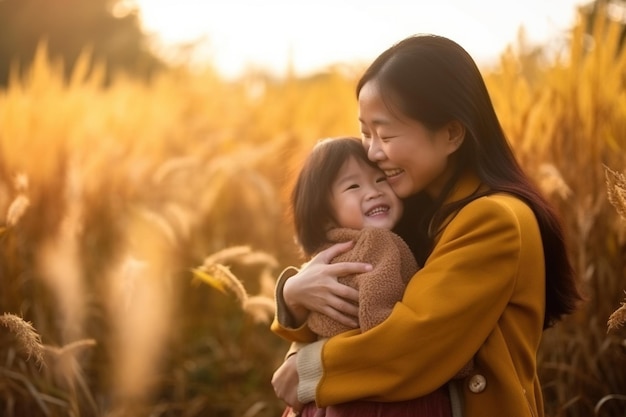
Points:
[(456, 135)]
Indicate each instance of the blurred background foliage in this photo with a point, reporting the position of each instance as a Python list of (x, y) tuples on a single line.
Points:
[(110, 30), (143, 212)]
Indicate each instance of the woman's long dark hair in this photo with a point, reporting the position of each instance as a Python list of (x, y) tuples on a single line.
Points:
[(433, 80), (310, 197)]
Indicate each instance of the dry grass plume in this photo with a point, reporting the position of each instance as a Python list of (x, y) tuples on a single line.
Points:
[(26, 336)]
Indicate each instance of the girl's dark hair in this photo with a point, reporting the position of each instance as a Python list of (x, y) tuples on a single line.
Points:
[(310, 197), (433, 80)]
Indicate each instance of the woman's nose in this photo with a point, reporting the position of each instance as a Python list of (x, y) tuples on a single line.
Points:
[(374, 151)]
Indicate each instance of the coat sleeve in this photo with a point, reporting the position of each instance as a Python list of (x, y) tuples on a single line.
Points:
[(449, 308), (283, 324)]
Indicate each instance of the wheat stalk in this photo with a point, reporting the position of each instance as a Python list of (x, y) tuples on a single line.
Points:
[(20, 182), (260, 308), (73, 348), (67, 369), (551, 181), (220, 277), (25, 334), (616, 189), (617, 318), (227, 254), (17, 209)]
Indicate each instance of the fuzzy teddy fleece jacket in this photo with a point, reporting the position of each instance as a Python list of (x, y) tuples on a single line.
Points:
[(379, 289)]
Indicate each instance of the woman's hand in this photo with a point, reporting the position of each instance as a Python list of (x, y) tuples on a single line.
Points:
[(315, 288), (285, 382)]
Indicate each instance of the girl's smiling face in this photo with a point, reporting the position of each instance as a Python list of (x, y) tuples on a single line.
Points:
[(361, 197)]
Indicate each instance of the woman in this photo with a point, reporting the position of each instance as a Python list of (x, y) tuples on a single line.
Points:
[(495, 268)]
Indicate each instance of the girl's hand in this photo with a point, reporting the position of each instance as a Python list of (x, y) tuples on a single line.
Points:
[(315, 288), (285, 382)]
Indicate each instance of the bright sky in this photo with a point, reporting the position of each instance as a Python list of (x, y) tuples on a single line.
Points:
[(313, 34)]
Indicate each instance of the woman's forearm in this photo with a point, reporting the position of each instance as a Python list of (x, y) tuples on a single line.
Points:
[(297, 312)]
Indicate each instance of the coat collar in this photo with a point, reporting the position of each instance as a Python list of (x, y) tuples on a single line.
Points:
[(467, 184)]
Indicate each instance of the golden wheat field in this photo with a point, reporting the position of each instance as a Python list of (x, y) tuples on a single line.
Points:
[(143, 225)]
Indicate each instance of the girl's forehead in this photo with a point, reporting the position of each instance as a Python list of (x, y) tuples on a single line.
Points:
[(356, 164)]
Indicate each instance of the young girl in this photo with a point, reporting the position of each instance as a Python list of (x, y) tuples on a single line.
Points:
[(341, 196)]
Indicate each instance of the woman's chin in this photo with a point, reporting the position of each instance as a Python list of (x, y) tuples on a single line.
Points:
[(401, 190)]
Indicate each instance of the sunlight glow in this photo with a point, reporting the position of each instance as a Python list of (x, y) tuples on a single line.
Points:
[(310, 35)]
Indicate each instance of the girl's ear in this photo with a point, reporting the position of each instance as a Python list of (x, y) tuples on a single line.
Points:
[(456, 135)]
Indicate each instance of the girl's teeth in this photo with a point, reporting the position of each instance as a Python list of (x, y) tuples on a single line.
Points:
[(377, 211)]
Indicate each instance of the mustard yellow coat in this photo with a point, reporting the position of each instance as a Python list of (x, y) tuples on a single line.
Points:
[(481, 292)]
